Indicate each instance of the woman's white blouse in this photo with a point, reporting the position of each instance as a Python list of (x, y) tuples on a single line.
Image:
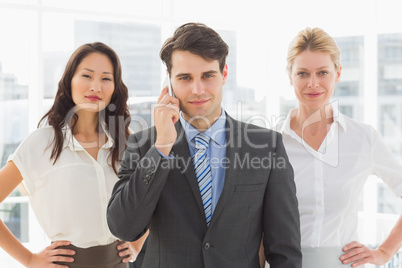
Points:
[(329, 180), (70, 197)]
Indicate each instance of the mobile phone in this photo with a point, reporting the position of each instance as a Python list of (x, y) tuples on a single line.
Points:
[(167, 83)]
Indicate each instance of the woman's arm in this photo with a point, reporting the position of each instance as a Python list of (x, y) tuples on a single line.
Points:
[(361, 254), (132, 249), (388, 167), (10, 177)]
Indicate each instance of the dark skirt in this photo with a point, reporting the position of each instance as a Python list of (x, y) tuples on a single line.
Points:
[(95, 257)]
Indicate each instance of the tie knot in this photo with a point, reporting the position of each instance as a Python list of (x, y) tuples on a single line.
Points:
[(201, 141)]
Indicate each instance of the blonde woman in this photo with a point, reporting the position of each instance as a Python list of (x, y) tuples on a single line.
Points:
[(332, 156)]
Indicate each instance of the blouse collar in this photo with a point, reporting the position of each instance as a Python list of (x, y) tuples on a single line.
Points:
[(71, 142), (338, 117)]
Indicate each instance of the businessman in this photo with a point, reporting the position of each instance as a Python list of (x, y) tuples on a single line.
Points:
[(208, 188)]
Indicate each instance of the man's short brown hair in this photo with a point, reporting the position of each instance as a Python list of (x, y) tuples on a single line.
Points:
[(196, 38)]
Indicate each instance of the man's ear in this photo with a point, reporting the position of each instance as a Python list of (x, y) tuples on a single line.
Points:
[(225, 73)]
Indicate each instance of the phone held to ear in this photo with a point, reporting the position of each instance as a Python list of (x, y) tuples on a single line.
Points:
[(167, 83)]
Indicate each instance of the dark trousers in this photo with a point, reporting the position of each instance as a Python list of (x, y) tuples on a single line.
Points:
[(95, 257)]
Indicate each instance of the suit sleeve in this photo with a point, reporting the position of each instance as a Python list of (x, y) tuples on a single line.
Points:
[(281, 222), (142, 176)]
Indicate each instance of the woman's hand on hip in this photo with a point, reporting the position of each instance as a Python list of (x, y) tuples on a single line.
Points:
[(360, 254), (125, 249), (50, 254)]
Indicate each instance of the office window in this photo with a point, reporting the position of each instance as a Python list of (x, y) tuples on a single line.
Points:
[(390, 65), (388, 120), (20, 2), (390, 111), (117, 8), (14, 104), (347, 110), (137, 46), (386, 201), (349, 91), (18, 86)]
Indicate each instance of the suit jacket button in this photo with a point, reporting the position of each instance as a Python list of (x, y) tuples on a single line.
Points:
[(207, 246)]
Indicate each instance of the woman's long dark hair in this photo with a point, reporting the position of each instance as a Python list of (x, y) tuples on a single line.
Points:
[(116, 115)]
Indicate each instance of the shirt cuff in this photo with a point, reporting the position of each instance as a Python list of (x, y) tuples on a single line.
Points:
[(170, 156)]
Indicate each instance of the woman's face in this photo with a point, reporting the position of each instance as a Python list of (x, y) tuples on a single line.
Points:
[(314, 77), (92, 85)]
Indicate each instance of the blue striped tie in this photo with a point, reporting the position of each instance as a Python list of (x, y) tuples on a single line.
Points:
[(203, 172)]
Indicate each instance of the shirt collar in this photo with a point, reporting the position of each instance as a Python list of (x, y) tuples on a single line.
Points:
[(216, 132), (71, 142), (339, 118)]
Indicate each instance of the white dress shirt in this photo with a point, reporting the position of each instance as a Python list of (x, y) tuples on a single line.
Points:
[(329, 181), (70, 197)]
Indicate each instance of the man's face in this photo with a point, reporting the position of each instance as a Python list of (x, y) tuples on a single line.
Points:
[(197, 83)]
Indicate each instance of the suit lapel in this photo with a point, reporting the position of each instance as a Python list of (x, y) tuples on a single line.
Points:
[(182, 154), (232, 148)]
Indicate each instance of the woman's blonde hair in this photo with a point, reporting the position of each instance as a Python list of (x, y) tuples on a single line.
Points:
[(315, 40)]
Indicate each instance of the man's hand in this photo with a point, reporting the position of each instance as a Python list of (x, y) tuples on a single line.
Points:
[(166, 114)]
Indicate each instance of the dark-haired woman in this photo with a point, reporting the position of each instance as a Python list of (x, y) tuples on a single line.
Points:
[(69, 167)]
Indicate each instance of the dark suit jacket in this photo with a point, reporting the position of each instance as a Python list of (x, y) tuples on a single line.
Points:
[(258, 197)]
